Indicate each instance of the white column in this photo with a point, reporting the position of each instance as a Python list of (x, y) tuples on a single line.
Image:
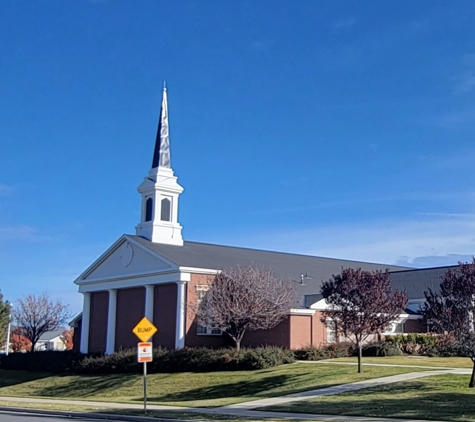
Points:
[(149, 292), (111, 318), (86, 316), (180, 315)]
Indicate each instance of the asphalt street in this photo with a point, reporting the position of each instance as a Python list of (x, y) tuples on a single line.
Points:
[(25, 417)]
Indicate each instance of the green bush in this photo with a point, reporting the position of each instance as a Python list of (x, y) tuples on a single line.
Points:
[(381, 349), (164, 360), (47, 361), (421, 344), (336, 350)]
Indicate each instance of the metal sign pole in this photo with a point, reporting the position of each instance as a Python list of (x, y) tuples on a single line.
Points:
[(145, 386)]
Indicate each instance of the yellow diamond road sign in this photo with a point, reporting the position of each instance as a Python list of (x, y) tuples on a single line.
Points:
[(144, 329)]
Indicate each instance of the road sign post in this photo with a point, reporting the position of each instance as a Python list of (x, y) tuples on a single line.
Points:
[(144, 330)]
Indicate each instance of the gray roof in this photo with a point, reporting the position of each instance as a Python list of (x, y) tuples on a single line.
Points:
[(416, 281), (50, 335), (284, 265)]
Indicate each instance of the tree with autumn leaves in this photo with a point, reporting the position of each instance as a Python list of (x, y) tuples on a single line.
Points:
[(451, 309), (36, 315), (361, 303)]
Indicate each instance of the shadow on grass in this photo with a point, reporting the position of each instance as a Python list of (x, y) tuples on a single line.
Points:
[(86, 385), (255, 389), (421, 404), (10, 378)]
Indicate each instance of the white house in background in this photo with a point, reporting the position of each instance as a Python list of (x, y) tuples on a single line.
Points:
[(52, 340)]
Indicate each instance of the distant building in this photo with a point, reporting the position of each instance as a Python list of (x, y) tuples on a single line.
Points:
[(51, 340), (155, 273)]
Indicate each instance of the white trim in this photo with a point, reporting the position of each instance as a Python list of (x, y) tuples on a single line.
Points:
[(86, 315), (111, 322), (171, 277), (195, 270), (180, 315), (149, 293), (81, 279), (302, 312), (320, 305)]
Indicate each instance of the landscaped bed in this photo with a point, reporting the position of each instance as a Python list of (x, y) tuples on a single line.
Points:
[(188, 389), (442, 397)]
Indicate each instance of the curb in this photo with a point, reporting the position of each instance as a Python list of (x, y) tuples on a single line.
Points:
[(89, 415)]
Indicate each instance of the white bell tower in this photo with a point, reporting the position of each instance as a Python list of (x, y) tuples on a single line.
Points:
[(160, 191)]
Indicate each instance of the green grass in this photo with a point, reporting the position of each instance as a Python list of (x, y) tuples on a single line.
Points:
[(443, 397), (188, 389), (413, 360)]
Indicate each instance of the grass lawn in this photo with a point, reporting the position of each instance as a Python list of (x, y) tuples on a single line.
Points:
[(187, 389), (443, 397), (413, 360)]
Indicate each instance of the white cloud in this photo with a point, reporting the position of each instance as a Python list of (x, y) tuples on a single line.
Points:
[(5, 189), (344, 24), (430, 239)]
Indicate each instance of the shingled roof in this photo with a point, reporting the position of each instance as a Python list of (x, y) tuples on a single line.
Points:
[(284, 265)]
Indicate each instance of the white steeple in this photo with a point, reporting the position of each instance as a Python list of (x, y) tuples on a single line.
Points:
[(160, 191)]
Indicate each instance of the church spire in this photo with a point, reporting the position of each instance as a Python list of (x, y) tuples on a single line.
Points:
[(161, 154), (160, 191)]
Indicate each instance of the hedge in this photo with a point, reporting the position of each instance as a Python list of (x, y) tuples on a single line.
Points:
[(164, 360)]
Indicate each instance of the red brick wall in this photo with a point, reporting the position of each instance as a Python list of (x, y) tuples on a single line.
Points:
[(164, 314), (98, 321), (130, 310), (277, 336), (300, 331), (192, 339), (319, 331)]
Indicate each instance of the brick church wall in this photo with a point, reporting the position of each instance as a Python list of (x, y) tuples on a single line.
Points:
[(98, 321), (164, 314), (130, 310)]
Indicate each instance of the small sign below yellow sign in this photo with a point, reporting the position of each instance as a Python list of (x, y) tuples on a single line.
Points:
[(144, 329)]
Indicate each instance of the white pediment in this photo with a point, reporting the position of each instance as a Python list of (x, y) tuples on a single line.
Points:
[(124, 259)]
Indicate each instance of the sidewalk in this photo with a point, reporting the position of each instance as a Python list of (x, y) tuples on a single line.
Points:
[(247, 409)]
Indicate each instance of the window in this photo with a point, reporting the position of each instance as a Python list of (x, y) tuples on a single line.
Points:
[(331, 332), (149, 209), (165, 214), (201, 329)]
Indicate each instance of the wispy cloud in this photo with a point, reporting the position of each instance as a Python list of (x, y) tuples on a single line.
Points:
[(260, 45), (438, 239), (465, 79), (344, 23), (5, 189)]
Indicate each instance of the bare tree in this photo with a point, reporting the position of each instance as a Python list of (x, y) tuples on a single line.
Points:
[(35, 316), (361, 303), (245, 298), (452, 309)]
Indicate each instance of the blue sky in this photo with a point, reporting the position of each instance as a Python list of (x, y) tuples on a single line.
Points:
[(338, 128)]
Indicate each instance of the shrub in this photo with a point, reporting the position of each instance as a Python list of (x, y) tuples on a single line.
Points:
[(415, 343), (381, 349), (336, 350), (47, 361), (164, 360)]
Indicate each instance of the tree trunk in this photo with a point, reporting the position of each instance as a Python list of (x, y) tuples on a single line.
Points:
[(360, 353), (472, 378)]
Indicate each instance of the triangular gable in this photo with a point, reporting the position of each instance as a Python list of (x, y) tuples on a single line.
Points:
[(125, 258)]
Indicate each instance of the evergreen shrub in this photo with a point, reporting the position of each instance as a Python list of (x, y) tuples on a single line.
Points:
[(336, 350)]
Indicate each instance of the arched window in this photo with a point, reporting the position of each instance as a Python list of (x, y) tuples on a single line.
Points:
[(149, 209), (165, 214)]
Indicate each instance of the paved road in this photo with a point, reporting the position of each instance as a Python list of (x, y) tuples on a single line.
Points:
[(24, 417)]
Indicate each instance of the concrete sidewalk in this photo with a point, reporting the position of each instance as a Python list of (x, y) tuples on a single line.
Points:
[(247, 409), (330, 391)]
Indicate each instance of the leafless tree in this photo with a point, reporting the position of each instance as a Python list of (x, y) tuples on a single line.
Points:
[(361, 303), (245, 298), (35, 316)]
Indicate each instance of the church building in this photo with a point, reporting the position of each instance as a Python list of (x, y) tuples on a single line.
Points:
[(157, 274)]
